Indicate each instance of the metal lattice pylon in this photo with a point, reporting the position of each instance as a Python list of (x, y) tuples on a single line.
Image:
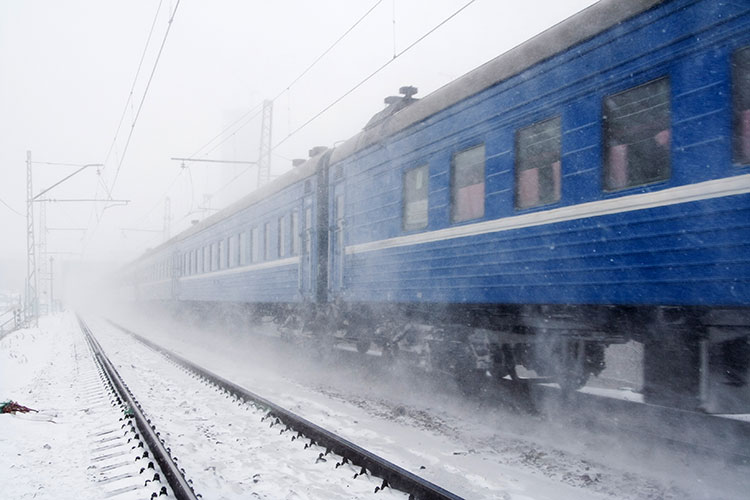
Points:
[(264, 156), (32, 300)]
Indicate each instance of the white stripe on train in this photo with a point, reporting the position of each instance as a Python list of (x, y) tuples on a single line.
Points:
[(720, 188)]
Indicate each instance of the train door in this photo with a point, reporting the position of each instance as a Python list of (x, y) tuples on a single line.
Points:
[(337, 239), (306, 260)]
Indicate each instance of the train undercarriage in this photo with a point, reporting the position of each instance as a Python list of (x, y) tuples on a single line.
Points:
[(692, 358)]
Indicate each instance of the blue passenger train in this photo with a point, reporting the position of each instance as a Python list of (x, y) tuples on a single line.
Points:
[(589, 187)]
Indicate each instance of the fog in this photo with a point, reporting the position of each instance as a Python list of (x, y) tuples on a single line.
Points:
[(78, 89), (549, 440), (68, 69)]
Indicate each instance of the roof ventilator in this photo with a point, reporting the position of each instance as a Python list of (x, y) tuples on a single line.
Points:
[(394, 104)]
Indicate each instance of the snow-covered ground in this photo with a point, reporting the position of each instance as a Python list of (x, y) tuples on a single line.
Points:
[(471, 447), (75, 446), (226, 448)]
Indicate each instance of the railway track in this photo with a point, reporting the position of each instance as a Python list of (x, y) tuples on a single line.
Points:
[(687, 432), (722, 437), (157, 449), (347, 455)]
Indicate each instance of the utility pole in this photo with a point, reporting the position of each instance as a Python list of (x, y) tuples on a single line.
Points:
[(264, 156), (32, 302), (31, 307)]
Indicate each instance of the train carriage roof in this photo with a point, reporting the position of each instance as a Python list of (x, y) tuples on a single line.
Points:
[(574, 30), (298, 174), (560, 37)]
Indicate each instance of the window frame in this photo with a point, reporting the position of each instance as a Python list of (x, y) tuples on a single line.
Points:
[(255, 244), (244, 248), (294, 236), (267, 241), (281, 238), (740, 142), (405, 203), (556, 171), (609, 153), (453, 191)]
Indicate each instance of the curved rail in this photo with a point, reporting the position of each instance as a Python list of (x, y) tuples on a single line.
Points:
[(393, 476), (182, 490)]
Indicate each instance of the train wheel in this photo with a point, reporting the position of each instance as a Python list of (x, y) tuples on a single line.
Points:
[(390, 353), (504, 362), (363, 345), (469, 379), (571, 371)]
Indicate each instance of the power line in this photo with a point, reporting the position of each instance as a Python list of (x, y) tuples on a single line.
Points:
[(56, 163), (12, 209), (161, 198), (329, 49), (143, 99), (124, 112), (135, 79), (286, 89), (382, 67), (257, 108)]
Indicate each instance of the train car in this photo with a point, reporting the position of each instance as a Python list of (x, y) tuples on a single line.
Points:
[(586, 188), (259, 254)]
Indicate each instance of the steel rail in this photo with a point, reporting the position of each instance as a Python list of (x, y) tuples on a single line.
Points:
[(180, 487), (393, 476)]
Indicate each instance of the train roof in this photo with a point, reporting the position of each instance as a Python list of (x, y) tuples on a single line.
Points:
[(560, 37), (298, 174)]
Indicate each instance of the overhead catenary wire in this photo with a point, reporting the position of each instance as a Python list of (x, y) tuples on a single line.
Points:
[(256, 110), (324, 110), (135, 80), (12, 209), (286, 88), (343, 96), (143, 98), (110, 189), (368, 77)]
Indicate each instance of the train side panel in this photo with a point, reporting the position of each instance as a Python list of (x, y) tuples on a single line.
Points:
[(683, 239)]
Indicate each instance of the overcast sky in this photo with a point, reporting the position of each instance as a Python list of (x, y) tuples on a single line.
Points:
[(66, 70)]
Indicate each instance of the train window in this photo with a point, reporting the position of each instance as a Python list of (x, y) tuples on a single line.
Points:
[(415, 198), (234, 250), (637, 136), (308, 231), (255, 244), (294, 233), (206, 259), (244, 250), (267, 241), (214, 256), (467, 184), (741, 106), (222, 254), (538, 164), (282, 235)]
